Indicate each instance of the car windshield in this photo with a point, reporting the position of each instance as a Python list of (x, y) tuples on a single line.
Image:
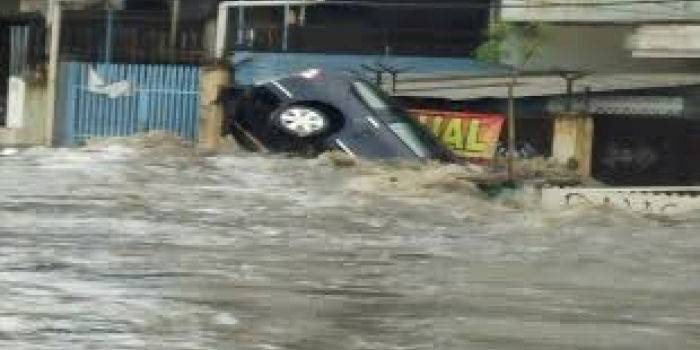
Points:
[(399, 121)]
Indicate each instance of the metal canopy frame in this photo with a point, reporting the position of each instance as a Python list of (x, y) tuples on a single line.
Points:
[(510, 84), (241, 5)]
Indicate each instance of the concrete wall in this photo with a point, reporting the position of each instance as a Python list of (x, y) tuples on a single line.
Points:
[(33, 5), (42, 6), (35, 112), (212, 80), (573, 140), (9, 6), (643, 200), (599, 48), (633, 11), (32, 123), (666, 41)]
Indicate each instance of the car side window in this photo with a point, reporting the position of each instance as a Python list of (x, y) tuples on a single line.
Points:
[(369, 96)]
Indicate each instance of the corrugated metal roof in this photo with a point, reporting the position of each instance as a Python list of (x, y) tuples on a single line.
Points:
[(474, 87), (449, 78), (263, 66)]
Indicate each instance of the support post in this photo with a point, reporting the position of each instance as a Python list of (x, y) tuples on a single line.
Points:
[(109, 35), (573, 141), (285, 34), (240, 29), (212, 80), (174, 27), (302, 16), (511, 132), (570, 94), (54, 51), (494, 13), (221, 28)]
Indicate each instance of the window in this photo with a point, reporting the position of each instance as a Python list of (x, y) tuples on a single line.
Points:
[(369, 95), (399, 30), (401, 124)]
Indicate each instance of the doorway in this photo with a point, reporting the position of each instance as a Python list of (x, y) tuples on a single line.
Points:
[(647, 151)]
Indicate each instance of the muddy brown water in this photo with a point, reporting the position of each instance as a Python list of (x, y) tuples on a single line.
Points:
[(120, 247)]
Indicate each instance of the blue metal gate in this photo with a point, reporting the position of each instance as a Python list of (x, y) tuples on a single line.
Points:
[(159, 97)]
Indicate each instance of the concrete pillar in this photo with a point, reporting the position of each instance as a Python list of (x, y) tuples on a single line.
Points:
[(52, 88), (16, 95), (35, 111), (212, 80), (26, 114), (573, 141)]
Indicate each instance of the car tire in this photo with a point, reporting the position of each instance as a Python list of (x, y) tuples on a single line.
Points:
[(302, 121)]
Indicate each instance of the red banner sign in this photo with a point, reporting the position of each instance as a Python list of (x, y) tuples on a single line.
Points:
[(470, 135)]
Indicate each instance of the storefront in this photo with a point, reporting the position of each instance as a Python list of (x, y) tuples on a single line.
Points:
[(533, 127), (641, 136)]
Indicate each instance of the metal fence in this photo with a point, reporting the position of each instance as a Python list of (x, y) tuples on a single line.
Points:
[(129, 99), (19, 49), (130, 37)]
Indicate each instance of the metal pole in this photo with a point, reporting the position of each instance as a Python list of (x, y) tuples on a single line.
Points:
[(302, 16), (54, 51), (241, 26), (110, 33), (569, 94), (511, 132), (174, 22), (285, 35), (222, 17), (494, 6), (221, 29)]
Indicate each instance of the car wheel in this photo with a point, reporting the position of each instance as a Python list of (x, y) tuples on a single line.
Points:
[(302, 121)]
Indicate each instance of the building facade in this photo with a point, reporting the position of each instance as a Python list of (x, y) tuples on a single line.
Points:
[(371, 27), (611, 36), (49, 49), (643, 135)]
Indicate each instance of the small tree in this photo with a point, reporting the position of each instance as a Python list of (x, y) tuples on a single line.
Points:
[(516, 42)]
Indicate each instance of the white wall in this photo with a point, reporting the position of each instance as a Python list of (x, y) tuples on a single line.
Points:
[(34, 5), (30, 129), (665, 41), (633, 11), (16, 97), (597, 48), (43, 5)]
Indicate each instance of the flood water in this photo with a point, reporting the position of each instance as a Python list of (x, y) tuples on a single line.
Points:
[(121, 247)]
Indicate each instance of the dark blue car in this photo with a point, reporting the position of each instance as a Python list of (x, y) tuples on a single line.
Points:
[(316, 111)]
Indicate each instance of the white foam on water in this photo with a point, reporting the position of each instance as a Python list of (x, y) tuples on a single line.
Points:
[(225, 319), (8, 152)]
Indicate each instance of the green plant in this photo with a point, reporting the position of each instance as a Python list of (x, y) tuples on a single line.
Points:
[(518, 42), (492, 49)]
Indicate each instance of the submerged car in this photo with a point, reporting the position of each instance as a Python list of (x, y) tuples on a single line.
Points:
[(316, 111)]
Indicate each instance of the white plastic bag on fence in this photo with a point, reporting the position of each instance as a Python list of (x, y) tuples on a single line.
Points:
[(97, 85)]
